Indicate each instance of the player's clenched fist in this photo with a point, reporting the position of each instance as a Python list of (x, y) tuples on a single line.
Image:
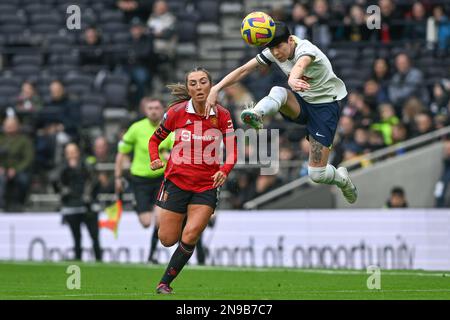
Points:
[(156, 164)]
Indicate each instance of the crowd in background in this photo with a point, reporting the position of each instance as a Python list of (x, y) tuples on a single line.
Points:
[(395, 100)]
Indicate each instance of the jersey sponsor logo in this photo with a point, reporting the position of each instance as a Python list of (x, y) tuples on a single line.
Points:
[(187, 136)]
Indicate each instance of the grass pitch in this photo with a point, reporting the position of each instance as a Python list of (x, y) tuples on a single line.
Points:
[(47, 281)]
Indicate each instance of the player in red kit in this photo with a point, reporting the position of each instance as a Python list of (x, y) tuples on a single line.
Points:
[(193, 174)]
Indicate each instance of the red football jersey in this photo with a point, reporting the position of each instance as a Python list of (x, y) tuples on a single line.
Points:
[(195, 156)]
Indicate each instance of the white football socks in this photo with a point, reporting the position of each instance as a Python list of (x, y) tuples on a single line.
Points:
[(271, 104), (326, 175)]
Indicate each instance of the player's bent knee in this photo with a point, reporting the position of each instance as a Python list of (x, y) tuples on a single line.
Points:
[(167, 240), (279, 93), (317, 174), (191, 235), (146, 220)]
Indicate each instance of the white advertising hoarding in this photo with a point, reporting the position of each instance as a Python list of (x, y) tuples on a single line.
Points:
[(392, 239)]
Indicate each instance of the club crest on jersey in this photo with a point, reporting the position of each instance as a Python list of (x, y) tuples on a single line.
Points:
[(214, 121)]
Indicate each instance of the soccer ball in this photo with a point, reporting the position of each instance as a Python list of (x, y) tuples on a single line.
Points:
[(257, 28)]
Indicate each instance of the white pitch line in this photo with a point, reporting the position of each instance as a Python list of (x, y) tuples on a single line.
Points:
[(240, 269), (224, 295)]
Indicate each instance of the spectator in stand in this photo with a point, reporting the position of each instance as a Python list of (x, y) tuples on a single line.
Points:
[(277, 12), (388, 119), (440, 98), (355, 25), (286, 155), (266, 183), (103, 180), (411, 108), (399, 133), (406, 82), (319, 22), (346, 130), (140, 59), (162, 27), (441, 121), (49, 148), (74, 180), (67, 110), (28, 99), (298, 25), (381, 72), (16, 158), (135, 8), (303, 155), (374, 93), (438, 31), (423, 123), (416, 27), (442, 188), (237, 97), (376, 140), (91, 51), (391, 28), (262, 81), (365, 116), (362, 140), (397, 198)]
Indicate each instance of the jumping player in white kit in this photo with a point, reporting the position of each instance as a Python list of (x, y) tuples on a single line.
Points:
[(312, 100)]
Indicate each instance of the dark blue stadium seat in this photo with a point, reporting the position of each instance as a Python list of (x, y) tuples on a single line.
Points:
[(34, 59), (187, 31), (209, 10)]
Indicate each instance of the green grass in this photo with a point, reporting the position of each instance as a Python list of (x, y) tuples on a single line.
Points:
[(128, 281)]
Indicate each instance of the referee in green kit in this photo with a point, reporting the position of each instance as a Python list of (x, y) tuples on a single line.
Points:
[(145, 182)]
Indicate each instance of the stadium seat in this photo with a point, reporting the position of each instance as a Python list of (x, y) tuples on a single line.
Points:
[(34, 59), (114, 27), (187, 31), (78, 78), (8, 81), (209, 10), (45, 28), (110, 16), (121, 38), (91, 115), (115, 89), (52, 17), (93, 98), (25, 71), (8, 8), (12, 18)]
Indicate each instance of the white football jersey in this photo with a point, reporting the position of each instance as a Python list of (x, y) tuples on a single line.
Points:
[(325, 85)]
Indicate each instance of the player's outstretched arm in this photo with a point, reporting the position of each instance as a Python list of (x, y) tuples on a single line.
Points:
[(233, 77), (295, 81)]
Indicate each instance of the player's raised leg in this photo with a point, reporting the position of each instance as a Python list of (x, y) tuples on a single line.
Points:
[(320, 171), (279, 99)]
